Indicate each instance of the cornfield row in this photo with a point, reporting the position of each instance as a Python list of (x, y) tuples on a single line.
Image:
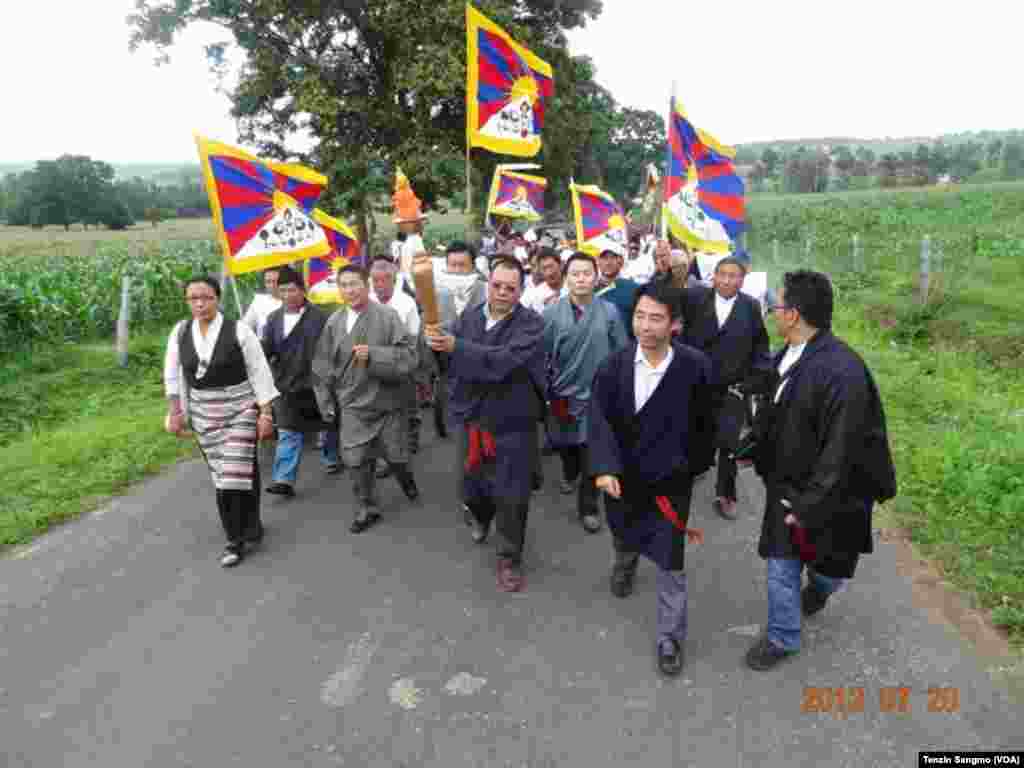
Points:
[(71, 297)]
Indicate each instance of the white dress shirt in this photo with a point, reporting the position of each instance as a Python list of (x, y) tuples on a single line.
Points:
[(260, 376), (405, 306), (723, 308), (291, 319), (646, 377), (259, 310), (542, 295), (351, 319), (788, 361)]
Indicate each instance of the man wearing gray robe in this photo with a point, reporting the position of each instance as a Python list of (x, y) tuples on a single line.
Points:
[(580, 331), (360, 372)]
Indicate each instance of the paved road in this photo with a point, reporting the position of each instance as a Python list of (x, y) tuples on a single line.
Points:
[(124, 644)]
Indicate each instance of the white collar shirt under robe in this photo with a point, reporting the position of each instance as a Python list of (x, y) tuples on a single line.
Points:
[(788, 360), (646, 377), (723, 308), (291, 319)]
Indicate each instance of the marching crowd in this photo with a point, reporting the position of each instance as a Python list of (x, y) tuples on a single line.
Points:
[(639, 386)]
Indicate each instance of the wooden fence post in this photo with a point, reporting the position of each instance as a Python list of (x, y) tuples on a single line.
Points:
[(123, 319), (926, 269)]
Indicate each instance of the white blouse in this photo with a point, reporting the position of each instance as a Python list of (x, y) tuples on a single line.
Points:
[(260, 376)]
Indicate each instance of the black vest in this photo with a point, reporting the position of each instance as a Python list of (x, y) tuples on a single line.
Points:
[(226, 368)]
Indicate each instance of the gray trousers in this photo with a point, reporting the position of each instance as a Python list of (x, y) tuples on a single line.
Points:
[(671, 593)]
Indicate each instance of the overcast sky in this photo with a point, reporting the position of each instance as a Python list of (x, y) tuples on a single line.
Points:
[(747, 71)]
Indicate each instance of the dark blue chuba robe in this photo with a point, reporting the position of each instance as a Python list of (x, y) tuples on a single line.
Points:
[(654, 452)]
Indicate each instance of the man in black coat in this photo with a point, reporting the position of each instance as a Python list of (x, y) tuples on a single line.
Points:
[(289, 343), (727, 326), (496, 375), (822, 448)]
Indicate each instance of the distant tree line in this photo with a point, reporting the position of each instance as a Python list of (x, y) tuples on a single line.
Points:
[(75, 189), (824, 167)]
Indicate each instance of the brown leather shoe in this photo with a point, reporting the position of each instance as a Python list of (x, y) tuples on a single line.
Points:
[(510, 575)]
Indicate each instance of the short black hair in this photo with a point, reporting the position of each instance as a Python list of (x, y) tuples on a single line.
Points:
[(509, 262), (361, 271), (580, 256), (289, 276), (210, 281), (810, 294), (663, 292), (734, 260), (382, 257), (458, 246), (548, 253)]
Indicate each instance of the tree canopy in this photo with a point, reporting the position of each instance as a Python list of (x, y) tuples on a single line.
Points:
[(375, 84)]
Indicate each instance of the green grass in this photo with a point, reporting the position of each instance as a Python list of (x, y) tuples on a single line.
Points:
[(951, 373), (77, 429)]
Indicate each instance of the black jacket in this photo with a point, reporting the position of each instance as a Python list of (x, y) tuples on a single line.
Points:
[(291, 360), (825, 448), (739, 351)]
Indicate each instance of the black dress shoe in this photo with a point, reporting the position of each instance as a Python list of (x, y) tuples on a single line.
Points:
[(622, 580), (670, 657), (281, 489), (476, 529), (364, 521), (410, 490), (811, 600)]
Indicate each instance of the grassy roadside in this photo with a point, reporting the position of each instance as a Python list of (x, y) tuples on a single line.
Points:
[(76, 429)]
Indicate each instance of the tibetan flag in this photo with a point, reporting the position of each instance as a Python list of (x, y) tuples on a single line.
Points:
[(600, 222), (507, 90), (704, 204), (262, 209), (322, 271), (517, 195)]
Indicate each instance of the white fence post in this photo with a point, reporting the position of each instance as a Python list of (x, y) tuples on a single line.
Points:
[(926, 268), (123, 318)]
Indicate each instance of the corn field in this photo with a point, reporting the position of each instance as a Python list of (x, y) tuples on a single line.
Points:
[(76, 296)]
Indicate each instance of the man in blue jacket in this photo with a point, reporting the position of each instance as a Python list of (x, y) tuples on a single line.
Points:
[(649, 435), (496, 375)]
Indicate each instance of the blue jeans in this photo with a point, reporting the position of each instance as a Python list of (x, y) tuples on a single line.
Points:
[(289, 454), (784, 599)]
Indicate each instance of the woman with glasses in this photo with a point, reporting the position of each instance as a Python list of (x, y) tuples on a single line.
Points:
[(218, 382)]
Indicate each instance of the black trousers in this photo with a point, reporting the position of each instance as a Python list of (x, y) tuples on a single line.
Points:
[(364, 481), (509, 525), (730, 414), (575, 464), (240, 511)]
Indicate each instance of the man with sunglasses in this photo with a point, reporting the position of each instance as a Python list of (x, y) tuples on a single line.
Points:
[(821, 446)]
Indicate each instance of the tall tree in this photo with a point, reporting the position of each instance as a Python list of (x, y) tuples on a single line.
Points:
[(374, 82)]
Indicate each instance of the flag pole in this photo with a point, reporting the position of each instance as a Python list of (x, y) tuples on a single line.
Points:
[(469, 183), (668, 164)]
